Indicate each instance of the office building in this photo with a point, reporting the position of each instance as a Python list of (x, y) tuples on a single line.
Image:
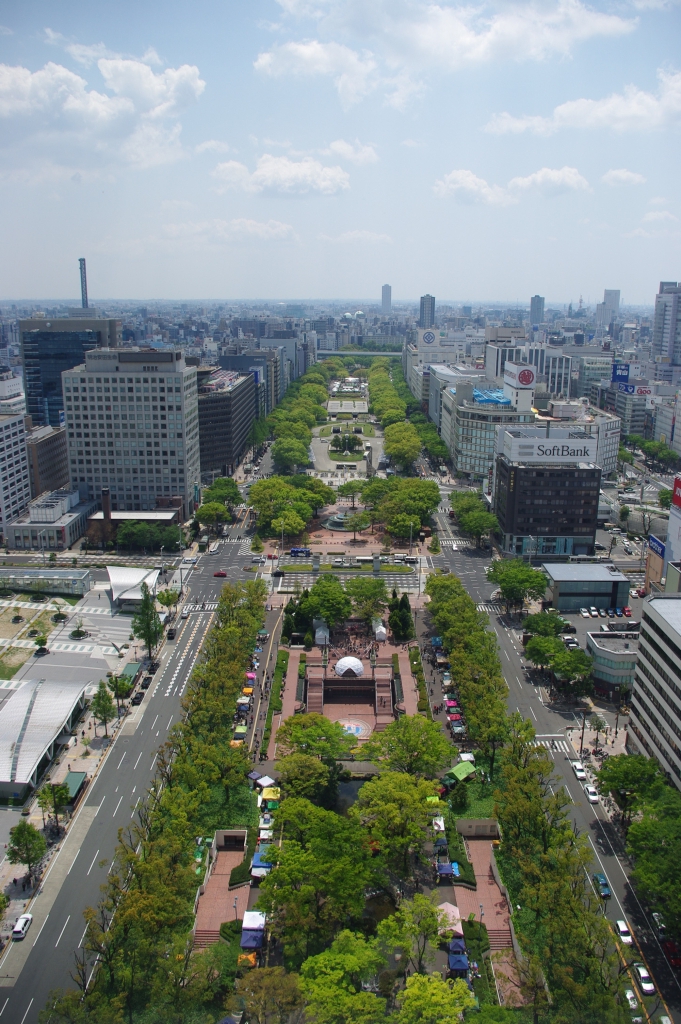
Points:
[(427, 313), (572, 586), (536, 310), (50, 346), (386, 300), (52, 522), (268, 362), (226, 400), (133, 426), (666, 338), (15, 486), (613, 661), (592, 369), (546, 491), (48, 459), (608, 309), (604, 426), (12, 398), (554, 366), (655, 705)]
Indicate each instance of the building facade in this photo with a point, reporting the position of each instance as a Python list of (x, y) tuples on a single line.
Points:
[(48, 347), (613, 660), (133, 426), (536, 310), (12, 397), (52, 522), (427, 311), (48, 459), (666, 337), (386, 300), (474, 417), (226, 402), (15, 484)]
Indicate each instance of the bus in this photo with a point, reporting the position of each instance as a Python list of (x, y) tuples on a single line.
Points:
[(365, 559), (296, 552)]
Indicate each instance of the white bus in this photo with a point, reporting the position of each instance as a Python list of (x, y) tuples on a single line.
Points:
[(365, 559)]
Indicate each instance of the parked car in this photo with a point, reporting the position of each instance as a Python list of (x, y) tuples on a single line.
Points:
[(567, 627), (599, 546), (627, 611), (623, 933), (641, 591), (146, 682), (631, 999), (584, 612), (593, 611), (172, 633), (591, 794), (660, 925), (137, 699), (611, 613), (221, 573), (602, 612), (672, 952), (644, 979), (618, 613), (22, 926), (601, 883), (578, 769)]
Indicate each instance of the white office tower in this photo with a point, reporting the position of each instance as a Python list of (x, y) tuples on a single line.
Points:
[(386, 300), (12, 397), (667, 323), (536, 310), (609, 308), (15, 486)]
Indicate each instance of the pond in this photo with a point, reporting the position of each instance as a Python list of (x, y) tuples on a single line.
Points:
[(347, 794)]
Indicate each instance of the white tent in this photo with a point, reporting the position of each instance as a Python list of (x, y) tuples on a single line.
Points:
[(126, 582)]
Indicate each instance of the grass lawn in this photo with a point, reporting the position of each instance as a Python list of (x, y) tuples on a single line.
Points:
[(42, 622), (367, 431), (350, 457), (12, 660)]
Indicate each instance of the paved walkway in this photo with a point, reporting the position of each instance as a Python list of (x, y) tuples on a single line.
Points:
[(488, 894), (218, 903), (288, 695)]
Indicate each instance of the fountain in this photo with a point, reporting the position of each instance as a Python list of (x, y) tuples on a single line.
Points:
[(337, 522)]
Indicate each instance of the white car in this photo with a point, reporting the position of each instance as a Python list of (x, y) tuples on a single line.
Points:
[(593, 611), (22, 926), (631, 998), (623, 933), (578, 769), (591, 794), (584, 612), (644, 979)]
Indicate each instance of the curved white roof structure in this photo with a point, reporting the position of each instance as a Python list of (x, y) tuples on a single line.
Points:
[(30, 721), (349, 666), (126, 581)]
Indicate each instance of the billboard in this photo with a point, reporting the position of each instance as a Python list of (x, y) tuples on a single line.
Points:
[(622, 373), (519, 375), (640, 390), (656, 546), (542, 450), (676, 496)]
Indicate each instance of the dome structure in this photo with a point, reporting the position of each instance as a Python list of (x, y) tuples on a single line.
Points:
[(349, 666)]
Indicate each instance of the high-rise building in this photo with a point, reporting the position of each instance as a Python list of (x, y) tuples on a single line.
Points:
[(667, 323), (226, 412), (12, 397), (536, 310), (48, 347), (609, 308), (133, 427), (48, 459), (15, 487), (386, 300), (427, 314)]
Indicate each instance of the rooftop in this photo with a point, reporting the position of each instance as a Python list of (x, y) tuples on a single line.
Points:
[(30, 721), (155, 515), (668, 607), (590, 572), (126, 582), (613, 643)]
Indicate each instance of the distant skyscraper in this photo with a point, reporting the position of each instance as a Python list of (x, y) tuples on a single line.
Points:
[(611, 300), (536, 310), (386, 299), (427, 316), (667, 322)]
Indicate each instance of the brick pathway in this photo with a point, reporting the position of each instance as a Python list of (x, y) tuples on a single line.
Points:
[(216, 905), (494, 906)]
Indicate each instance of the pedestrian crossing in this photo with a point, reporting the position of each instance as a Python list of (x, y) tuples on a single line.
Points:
[(559, 745), (456, 542), (490, 606), (209, 606), (401, 581)]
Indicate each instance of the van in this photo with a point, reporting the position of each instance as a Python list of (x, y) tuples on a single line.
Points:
[(400, 558)]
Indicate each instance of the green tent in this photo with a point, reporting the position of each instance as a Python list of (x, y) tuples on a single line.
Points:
[(460, 772)]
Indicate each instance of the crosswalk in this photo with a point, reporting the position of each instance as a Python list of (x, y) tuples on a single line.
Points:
[(209, 606), (561, 745), (400, 581), (456, 542), (490, 606)]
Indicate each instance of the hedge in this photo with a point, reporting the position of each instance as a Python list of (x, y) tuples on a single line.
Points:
[(275, 704)]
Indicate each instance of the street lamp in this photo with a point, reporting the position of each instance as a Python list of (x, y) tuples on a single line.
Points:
[(372, 662)]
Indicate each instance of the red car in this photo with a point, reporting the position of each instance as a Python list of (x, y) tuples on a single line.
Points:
[(453, 718), (627, 611), (672, 953), (273, 556), (641, 591), (220, 572)]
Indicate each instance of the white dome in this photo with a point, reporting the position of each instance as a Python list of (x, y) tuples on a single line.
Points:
[(352, 666)]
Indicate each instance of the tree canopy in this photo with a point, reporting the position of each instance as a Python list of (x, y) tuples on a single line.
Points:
[(517, 580), (411, 744)]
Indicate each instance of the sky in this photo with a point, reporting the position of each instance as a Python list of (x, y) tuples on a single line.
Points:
[(301, 149)]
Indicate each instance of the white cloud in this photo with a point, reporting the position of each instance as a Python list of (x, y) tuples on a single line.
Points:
[(352, 73), (410, 143), (466, 186), (658, 215), (152, 145), (631, 110), (278, 174), (88, 54), (355, 152), (222, 231), (552, 181), (4, 31), (212, 146), (358, 236), (622, 176), (658, 201)]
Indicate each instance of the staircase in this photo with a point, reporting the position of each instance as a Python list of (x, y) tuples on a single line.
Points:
[(205, 937), (499, 938)]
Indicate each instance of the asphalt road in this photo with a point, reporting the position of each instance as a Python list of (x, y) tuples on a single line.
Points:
[(29, 970), (551, 722)]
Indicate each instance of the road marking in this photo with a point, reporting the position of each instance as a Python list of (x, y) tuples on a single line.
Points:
[(170, 720), (26, 1014), (117, 806), (154, 722), (72, 863), (137, 761), (4, 1007), (82, 937), (94, 859), (533, 714), (121, 762), (154, 761), (40, 930), (100, 806), (62, 931)]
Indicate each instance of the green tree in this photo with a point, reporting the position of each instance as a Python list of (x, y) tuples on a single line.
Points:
[(403, 525), (629, 778), (26, 845), (625, 511), (664, 497), (168, 598), (212, 513), (402, 443), (413, 930), (543, 624), (624, 456), (328, 600), (59, 797), (223, 490), (478, 524), (287, 453), (411, 744), (357, 522), (488, 725), (517, 580), (44, 799), (369, 597), (313, 734), (351, 489), (332, 982), (541, 650), (102, 707), (41, 642), (303, 775), (430, 1000), (269, 995), (392, 807), (574, 667), (146, 625), (289, 523), (257, 545)]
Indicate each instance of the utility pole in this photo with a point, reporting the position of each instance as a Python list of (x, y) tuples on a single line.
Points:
[(581, 739), (410, 533)]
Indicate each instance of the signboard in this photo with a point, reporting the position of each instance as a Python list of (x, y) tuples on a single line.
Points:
[(676, 496), (519, 375), (656, 546), (545, 450), (640, 390), (622, 373)]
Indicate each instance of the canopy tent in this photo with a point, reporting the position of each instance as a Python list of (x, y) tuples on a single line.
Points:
[(381, 633), (457, 946), (264, 781), (126, 582), (444, 869), (452, 921), (457, 963), (439, 824), (460, 772), (439, 842), (253, 776), (436, 641), (271, 793), (254, 920), (432, 800), (250, 675), (252, 939)]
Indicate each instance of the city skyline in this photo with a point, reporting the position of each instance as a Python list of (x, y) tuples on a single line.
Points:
[(537, 141)]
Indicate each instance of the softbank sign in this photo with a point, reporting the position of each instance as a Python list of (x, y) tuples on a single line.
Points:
[(519, 375), (537, 450)]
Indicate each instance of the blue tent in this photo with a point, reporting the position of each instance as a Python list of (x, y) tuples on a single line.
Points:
[(457, 946), (440, 841), (458, 963), (444, 869), (251, 939)]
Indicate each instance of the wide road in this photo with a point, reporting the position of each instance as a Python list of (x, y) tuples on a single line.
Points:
[(550, 724), (44, 961)]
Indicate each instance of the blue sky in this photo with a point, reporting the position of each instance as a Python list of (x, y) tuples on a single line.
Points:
[(319, 148)]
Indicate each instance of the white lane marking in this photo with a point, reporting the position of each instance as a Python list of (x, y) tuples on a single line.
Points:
[(62, 931), (40, 930), (4, 1007), (82, 937), (170, 721), (154, 722), (100, 806), (137, 761), (72, 863), (117, 806), (26, 1014), (94, 859), (533, 714), (154, 761), (121, 762)]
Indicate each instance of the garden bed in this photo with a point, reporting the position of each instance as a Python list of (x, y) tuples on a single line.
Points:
[(477, 944), (275, 704), (417, 670)]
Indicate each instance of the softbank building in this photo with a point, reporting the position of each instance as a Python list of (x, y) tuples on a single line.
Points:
[(546, 485)]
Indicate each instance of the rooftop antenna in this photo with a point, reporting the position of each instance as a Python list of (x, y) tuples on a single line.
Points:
[(83, 283)]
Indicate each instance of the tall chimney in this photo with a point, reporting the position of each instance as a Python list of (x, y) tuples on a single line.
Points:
[(83, 283), (106, 504)]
